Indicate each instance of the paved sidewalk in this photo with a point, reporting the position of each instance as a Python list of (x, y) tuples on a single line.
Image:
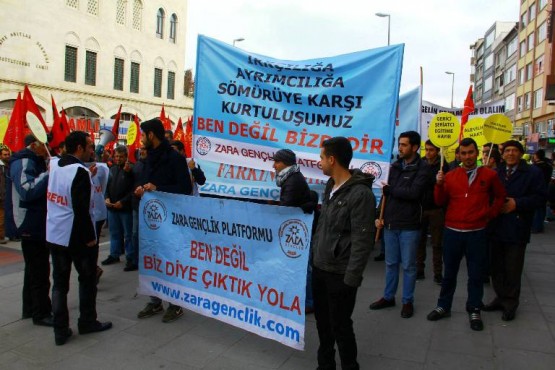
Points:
[(386, 341)]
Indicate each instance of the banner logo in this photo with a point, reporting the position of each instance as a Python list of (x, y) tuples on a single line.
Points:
[(294, 238), (372, 168), (203, 145), (154, 214)]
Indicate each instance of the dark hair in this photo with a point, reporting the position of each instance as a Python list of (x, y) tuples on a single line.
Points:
[(29, 139), (540, 154), (74, 139), (155, 126), (340, 148), (413, 136), (121, 149), (494, 153), (178, 144), (490, 145), (429, 142), (467, 141), (169, 132)]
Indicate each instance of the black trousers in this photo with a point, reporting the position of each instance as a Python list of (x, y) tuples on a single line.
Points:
[(507, 262), (84, 259), (333, 306), (36, 279)]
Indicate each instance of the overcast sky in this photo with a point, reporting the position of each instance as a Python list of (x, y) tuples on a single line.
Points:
[(436, 33)]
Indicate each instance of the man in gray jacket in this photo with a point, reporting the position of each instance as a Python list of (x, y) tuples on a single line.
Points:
[(342, 243)]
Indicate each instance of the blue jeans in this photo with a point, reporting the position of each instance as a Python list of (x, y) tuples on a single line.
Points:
[(121, 226), (400, 249), (456, 245)]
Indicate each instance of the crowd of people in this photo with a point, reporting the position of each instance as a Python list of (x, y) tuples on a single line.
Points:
[(482, 210)]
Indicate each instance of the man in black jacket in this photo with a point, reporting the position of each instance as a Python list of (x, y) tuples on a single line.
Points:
[(69, 202), (119, 192), (408, 179), (341, 246), (165, 170)]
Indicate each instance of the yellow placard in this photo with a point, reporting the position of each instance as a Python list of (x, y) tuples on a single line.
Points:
[(36, 127), (498, 128), (474, 129), (444, 130), (132, 133), (3, 127)]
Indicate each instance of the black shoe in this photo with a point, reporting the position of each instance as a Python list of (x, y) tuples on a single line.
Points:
[(438, 279), (61, 338), (494, 305), (476, 322), (45, 321), (407, 311), (130, 267), (509, 315), (438, 313), (380, 257), (110, 260), (382, 303), (420, 275), (94, 328)]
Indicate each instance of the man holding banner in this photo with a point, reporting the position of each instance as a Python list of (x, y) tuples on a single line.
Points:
[(472, 196), (341, 246)]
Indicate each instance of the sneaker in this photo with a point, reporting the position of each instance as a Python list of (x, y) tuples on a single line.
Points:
[(99, 273), (420, 275), (438, 279), (110, 260), (380, 257), (172, 313), (150, 309), (407, 311), (382, 303), (476, 322), (438, 313), (130, 267)]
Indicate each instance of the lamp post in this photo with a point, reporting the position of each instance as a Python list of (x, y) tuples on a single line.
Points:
[(452, 85), (382, 15), (238, 40)]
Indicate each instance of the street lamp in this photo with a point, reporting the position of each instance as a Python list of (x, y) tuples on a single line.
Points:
[(238, 40), (452, 85), (388, 24)]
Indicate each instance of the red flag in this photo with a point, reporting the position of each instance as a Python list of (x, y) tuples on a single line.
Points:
[(15, 133), (60, 127), (179, 134), (31, 106), (132, 149), (115, 127), (165, 120), (189, 138), (468, 108)]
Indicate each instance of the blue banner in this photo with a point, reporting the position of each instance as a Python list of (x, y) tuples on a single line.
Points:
[(247, 106), (239, 262)]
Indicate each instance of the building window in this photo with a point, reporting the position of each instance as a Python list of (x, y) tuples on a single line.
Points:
[(160, 23), (90, 68), (171, 85), (173, 28), (488, 84), (157, 82), (539, 66), (489, 39), (510, 74), (541, 4), (510, 102), (527, 100), (532, 12), (120, 12), (118, 74), (522, 48), (529, 71), (92, 7), (542, 32), (137, 14), (70, 72), (488, 62), (531, 41), (73, 4), (521, 76), (134, 81), (538, 98), (524, 19), (512, 46), (519, 103)]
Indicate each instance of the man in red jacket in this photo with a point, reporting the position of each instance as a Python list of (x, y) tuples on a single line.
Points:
[(473, 196)]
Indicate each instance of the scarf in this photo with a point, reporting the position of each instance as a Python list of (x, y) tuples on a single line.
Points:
[(285, 173)]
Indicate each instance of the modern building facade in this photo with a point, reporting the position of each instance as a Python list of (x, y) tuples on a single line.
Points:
[(93, 55)]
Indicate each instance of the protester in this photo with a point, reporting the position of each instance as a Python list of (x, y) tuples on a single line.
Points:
[(403, 194), (457, 161), (294, 192), (71, 236), (4, 172), (540, 161), (26, 198), (119, 192), (510, 232), (433, 219), (472, 196), (342, 243), (197, 174), (168, 134), (164, 171)]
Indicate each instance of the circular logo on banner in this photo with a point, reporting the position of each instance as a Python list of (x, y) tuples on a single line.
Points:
[(444, 130), (372, 168), (498, 128), (294, 238), (203, 145), (154, 214)]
